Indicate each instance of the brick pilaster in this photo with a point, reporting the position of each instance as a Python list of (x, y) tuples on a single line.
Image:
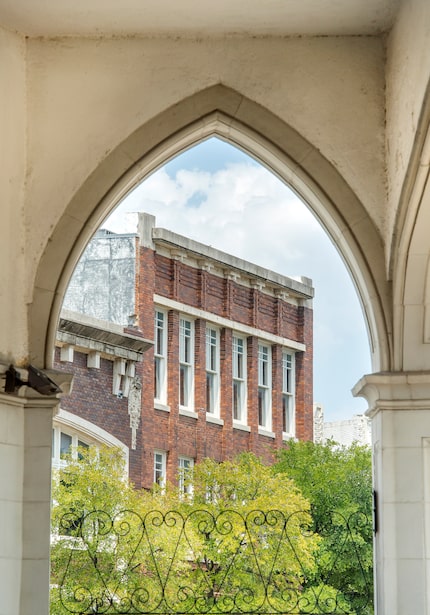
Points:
[(200, 385), (226, 384), (252, 366), (304, 378), (173, 394), (277, 394)]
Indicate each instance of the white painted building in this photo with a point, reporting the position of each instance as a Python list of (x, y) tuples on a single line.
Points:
[(358, 428), (334, 97)]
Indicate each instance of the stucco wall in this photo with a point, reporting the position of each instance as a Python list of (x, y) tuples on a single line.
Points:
[(69, 103), (86, 96), (407, 76), (12, 176)]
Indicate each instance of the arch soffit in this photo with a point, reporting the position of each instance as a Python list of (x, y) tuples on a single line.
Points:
[(410, 252), (216, 111)]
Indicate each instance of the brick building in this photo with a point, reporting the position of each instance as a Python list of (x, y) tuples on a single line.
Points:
[(230, 367), (105, 405)]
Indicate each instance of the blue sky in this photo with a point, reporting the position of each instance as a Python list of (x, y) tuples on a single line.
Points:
[(218, 195)]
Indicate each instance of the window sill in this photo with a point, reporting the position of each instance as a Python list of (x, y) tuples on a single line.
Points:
[(265, 432), (241, 426), (214, 419), (159, 406), (288, 436), (190, 413)]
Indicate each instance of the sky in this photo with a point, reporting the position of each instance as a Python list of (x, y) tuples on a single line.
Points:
[(218, 195)]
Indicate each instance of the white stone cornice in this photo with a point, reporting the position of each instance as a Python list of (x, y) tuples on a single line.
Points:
[(257, 285), (281, 294), (234, 276), (205, 265), (178, 255), (394, 391), (178, 247)]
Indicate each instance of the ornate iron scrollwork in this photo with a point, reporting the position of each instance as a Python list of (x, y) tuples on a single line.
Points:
[(223, 563)]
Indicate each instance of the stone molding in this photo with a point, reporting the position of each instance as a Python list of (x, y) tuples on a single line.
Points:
[(394, 391), (82, 331), (181, 248), (62, 379)]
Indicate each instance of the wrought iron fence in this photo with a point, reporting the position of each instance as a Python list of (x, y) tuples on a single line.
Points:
[(210, 562)]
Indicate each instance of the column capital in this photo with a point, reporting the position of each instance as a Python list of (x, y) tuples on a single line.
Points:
[(394, 391), (61, 384)]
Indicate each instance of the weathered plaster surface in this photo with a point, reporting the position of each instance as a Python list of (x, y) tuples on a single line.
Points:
[(407, 76), (86, 96), (13, 332), (103, 283)]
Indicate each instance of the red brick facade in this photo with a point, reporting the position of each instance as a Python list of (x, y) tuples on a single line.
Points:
[(206, 296), (233, 302), (92, 399)]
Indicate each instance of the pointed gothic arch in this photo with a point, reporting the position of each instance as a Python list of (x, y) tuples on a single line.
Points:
[(223, 112)]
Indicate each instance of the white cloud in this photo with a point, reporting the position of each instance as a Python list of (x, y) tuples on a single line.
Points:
[(243, 209)]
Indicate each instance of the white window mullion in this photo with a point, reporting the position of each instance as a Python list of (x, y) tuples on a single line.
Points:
[(186, 465), (288, 393), (239, 379), (186, 364), (264, 387), (212, 370), (160, 356), (160, 466)]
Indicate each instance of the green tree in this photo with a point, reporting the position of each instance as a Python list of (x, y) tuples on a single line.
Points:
[(248, 529), (338, 483), (239, 542), (95, 532)]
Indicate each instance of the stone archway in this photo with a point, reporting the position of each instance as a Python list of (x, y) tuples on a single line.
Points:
[(223, 112)]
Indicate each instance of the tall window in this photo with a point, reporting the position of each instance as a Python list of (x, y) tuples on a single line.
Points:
[(212, 371), (160, 459), (288, 393), (239, 379), (160, 357), (186, 377), (264, 387), (186, 465)]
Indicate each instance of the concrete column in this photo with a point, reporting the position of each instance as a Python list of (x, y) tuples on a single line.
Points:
[(25, 500), (399, 406)]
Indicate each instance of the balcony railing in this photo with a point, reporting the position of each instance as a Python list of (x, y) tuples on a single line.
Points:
[(223, 563)]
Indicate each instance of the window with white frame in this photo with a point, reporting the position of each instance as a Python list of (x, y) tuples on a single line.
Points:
[(63, 445), (186, 465), (186, 367), (288, 397), (239, 379), (212, 370), (160, 357), (264, 387), (160, 465)]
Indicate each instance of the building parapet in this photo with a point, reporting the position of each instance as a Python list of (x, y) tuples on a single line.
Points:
[(185, 249)]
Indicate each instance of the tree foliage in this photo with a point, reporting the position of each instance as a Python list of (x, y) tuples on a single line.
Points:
[(89, 541), (249, 525), (337, 480), (246, 538), (237, 543)]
